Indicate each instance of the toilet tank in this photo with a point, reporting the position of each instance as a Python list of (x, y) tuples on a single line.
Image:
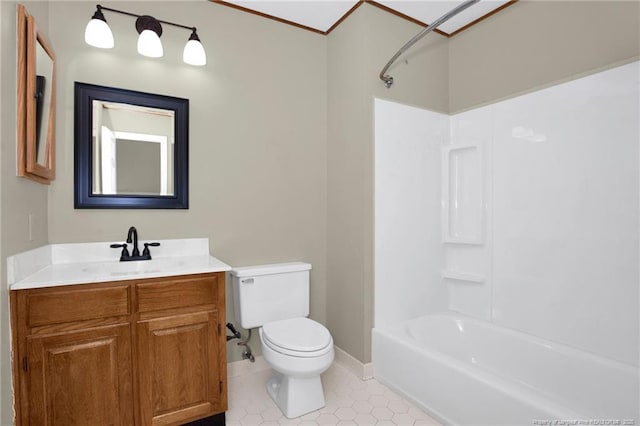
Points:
[(267, 293)]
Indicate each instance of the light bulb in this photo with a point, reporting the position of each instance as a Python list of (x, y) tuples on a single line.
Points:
[(149, 44), (194, 53), (97, 33)]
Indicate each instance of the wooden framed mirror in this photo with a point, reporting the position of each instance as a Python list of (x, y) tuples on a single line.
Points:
[(36, 101)]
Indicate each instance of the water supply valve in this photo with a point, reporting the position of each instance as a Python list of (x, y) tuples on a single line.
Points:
[(236, 333)]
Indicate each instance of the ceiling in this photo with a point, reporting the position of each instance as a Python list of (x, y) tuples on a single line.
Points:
[(323, 15)]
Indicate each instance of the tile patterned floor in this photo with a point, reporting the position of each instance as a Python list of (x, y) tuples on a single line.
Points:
[(350, 401)]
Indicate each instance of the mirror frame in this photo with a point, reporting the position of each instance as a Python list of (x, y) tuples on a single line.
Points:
[(28, 38), (85, 94)]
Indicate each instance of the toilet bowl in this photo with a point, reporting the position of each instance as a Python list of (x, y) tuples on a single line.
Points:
[(275, 298), (298, 350)]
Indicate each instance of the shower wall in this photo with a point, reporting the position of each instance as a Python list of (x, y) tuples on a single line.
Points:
[(408, 252), (565, 212), (540, 214)]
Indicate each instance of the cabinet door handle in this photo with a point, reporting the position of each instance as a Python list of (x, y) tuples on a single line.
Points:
[(25, 363)]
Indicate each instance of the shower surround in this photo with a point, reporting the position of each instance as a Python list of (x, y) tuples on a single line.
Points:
[(519, 219)]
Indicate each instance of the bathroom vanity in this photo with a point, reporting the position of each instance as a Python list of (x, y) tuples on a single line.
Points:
[(135, 343)]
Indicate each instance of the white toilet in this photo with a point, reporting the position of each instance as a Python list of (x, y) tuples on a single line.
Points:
[(298, 349)]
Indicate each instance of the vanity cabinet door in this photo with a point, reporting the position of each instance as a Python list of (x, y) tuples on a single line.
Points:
[(81, 378), (178, 368)]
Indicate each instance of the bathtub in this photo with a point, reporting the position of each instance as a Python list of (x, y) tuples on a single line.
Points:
[(470, 372)]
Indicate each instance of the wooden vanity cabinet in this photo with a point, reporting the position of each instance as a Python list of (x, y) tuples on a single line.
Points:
[(147, 352), (181, 349)]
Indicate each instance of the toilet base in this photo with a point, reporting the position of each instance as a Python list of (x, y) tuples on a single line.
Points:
[(296, 396)]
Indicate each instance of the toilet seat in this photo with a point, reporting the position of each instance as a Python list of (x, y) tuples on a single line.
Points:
[(297, 337)]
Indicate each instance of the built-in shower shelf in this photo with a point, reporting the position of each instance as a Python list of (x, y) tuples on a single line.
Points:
[(463, 194), (461, 276)]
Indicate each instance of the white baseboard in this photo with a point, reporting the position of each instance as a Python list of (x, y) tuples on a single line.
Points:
[(363, 371)]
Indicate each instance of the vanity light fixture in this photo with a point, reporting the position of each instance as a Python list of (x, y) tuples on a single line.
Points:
[(98, 34)]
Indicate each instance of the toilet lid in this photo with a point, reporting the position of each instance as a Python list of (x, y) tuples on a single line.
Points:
[(297, 334)]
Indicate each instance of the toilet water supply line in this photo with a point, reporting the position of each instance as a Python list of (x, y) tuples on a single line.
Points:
[(246, 354), (386, 78)]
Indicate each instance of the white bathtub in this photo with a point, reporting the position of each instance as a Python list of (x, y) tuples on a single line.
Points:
[(470, 372)]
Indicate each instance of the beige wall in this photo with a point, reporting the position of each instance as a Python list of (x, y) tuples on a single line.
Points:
[(357, 51), (533, 44), (257, 134), (3, 304), (19, 197)]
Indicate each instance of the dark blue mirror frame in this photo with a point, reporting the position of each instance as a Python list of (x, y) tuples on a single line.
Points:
[(85, 94)]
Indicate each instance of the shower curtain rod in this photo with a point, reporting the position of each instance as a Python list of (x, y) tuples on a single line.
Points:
[(386, 78)]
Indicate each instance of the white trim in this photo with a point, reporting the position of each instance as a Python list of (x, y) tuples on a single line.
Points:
[(363, 370)]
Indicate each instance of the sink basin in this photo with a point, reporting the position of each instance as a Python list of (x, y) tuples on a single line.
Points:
[(152, 266)]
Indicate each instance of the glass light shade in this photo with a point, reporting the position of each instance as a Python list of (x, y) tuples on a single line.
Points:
[(194, 53), (98, 34), (149, 44)]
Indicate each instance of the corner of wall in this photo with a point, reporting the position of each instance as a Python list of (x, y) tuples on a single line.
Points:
[(19, 197), (356, 51)]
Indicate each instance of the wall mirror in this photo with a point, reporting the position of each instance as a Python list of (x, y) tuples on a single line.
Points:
[(131, 149), (36, 101)]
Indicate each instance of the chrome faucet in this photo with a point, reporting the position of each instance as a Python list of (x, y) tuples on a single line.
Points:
[(132, 237)]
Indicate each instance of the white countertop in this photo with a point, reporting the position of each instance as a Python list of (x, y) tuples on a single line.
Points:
[(84, 263)]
